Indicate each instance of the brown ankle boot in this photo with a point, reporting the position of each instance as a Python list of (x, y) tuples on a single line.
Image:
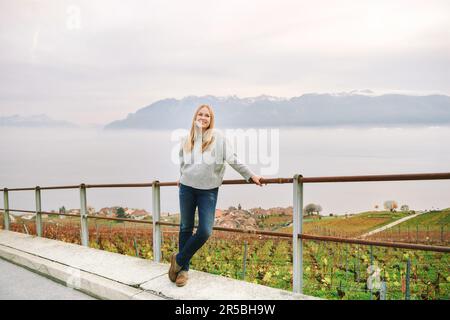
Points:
[(182, 278), (174, 268)]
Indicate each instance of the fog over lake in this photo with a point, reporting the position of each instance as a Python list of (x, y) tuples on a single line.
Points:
[(55, 156)]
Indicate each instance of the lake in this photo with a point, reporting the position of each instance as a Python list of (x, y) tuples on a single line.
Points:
[(55, 156)]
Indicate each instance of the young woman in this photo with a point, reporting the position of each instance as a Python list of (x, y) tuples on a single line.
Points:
[(202, 156)]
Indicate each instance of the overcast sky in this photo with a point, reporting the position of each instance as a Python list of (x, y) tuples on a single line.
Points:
[(97, 61)]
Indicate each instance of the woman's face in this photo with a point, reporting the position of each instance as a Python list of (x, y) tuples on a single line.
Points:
[(203, 117)]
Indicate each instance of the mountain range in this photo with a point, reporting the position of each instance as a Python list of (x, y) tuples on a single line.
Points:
[(313, 109), (354, 108), (37, 120)]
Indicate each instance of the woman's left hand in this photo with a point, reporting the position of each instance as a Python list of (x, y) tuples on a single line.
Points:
[(256, 179)]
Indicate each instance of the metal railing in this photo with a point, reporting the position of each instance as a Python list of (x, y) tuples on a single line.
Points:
[(297, 235)]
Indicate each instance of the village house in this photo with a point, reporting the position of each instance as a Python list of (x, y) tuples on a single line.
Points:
[(73, 211), (219, 213), (104, 212), (138, 214)]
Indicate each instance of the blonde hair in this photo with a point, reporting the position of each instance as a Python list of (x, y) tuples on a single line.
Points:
[(207, 136)]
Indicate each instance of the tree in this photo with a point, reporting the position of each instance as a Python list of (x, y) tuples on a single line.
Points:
[(312, 208), (120, 213), (318, 208), (390, 205), (309, 208), (404, 208)]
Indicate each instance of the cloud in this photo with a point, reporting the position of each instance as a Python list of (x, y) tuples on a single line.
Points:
[(64, 57)]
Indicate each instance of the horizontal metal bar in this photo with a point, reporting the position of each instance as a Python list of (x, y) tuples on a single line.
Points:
[(115, 185), (332, 239), (400, 245), (364, 178), (267, 233), (17, 189), (120, 219), (42, 188), (60, 214), (43, 212), (385, 177), (60, 187), (77, 215), (263, 181), (119, 185), (145, 185), (17, 210)]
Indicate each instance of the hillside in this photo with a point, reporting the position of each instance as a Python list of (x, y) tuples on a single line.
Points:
[(432, 220), (432, 227), (348, 226), (280, 220)]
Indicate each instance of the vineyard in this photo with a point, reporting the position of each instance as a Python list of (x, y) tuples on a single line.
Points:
[(429, 228), (331, 270)]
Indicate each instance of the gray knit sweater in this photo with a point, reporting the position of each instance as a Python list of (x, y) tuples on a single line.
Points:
[(206, 170)]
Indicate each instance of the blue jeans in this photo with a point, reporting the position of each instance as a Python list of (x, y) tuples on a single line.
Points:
[(189, 243)]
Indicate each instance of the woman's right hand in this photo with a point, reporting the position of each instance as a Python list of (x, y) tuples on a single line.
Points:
[(256, 179), (178, 183)]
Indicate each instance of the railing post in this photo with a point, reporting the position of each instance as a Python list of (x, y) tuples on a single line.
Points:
[(38, 212), (83, 216), (371, 268), (245, 260), (408, 275), (297, 249), (383, 290), (6, 207), (156, 208)]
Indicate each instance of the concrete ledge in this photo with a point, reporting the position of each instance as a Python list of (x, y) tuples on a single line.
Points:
[(88, 283), (108, 275)]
